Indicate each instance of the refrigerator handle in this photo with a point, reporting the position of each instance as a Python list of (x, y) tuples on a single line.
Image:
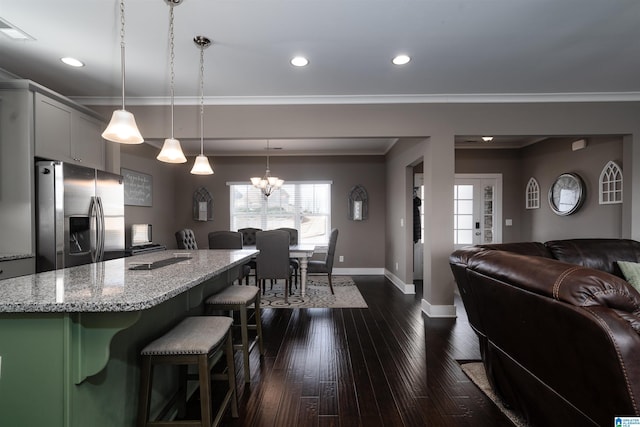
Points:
[(93, 214), (101, 230)]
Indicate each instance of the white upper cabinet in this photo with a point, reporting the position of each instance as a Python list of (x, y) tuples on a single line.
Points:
[(66, 134)]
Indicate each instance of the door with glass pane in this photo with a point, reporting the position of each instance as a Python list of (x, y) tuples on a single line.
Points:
[(476, 211)]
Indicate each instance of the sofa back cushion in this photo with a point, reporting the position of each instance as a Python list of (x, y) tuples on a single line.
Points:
[(522, 248), (601, 254), (572, 284)]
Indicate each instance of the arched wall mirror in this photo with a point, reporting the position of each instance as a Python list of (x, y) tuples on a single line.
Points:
[(202, 205), (358, 203)]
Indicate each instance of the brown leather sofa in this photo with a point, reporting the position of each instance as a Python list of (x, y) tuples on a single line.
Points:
[(558, 327)]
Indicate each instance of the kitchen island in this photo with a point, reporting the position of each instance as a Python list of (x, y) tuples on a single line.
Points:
[(70, 338)]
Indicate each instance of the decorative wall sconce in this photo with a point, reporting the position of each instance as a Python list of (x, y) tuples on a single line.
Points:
[(358, 203), (202, 205)]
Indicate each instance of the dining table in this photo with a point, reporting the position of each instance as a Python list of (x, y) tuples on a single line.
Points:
[(303, 252)]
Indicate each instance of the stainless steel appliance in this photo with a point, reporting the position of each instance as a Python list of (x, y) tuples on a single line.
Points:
[(79, 215)]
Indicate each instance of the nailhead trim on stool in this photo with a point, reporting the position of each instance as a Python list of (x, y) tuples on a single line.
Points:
[(201, 341), (238, 298)]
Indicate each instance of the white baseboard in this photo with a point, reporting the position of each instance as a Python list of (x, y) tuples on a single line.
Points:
[(405, 288), (443, 311), (358, 271), (438, 310)]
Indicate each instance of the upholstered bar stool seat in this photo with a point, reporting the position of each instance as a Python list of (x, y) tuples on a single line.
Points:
[(200, 341), (240, 298)]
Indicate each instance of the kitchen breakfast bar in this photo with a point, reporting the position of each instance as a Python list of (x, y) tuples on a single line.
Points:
[(70, 339)]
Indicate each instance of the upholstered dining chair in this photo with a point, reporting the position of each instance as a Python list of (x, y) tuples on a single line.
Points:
[(272, 262), (226, 239), (325, 265), (186, 239), (249, 239), (293, 240), (249, 235)]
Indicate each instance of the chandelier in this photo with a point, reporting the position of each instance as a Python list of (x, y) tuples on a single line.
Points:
[(267, 184)]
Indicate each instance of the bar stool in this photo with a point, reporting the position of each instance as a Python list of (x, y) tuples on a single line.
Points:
[(200, 341), (239, 298)]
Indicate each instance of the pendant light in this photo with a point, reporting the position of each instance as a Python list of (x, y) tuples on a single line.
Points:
[(201, 165), (171, 150), (267, 184), (122, 128)]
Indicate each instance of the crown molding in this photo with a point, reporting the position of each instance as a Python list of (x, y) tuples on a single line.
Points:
[(490, 98)]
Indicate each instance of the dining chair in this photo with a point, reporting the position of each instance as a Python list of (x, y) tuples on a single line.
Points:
[(186, 239), (295, 263), (226, 239), (249, 239), (249, 235), (272, 262), (325, 265)]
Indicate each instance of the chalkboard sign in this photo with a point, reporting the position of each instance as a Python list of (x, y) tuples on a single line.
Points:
[(138, 188)]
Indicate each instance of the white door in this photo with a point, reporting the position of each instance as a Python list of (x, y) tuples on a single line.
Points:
[(477, 209)]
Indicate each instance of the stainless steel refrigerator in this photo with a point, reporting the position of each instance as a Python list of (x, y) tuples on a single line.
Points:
[(79, 215)]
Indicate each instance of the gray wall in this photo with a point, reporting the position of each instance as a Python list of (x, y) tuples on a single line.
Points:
[(142, 158), (507, 163), (361, 242), (437, 123), (545, 161)]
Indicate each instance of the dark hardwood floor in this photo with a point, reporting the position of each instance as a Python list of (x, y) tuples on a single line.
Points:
[(387, 365)]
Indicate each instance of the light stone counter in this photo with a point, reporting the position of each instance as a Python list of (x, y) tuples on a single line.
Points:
[(11, 257), (111, 286)]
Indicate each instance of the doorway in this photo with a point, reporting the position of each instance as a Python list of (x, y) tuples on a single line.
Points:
[(477, 209), (418, 226)]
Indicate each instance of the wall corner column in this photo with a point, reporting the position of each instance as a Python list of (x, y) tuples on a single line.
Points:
[(439, 179)]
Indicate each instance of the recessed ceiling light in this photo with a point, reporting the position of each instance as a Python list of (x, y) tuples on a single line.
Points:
[(299, 61), (401, 60), (72, 62), (487, 138)]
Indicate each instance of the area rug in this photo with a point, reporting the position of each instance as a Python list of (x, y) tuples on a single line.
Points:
[(475, 371), (317, 294)]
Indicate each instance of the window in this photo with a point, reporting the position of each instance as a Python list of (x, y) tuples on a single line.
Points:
[(611, 184), (303, 205), (463, 215), (533, 194)]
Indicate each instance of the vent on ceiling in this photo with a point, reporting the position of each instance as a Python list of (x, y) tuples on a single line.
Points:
[(12, 31)]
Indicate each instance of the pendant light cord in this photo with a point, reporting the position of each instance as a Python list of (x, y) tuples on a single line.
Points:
[(122, 47), (171, 58), (268, 156), (201, 100)]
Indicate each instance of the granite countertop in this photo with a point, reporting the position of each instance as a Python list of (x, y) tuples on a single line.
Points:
[(111, 286), (11, 257)]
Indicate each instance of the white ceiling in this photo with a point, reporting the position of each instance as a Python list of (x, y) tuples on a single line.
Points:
[(465, 50)]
